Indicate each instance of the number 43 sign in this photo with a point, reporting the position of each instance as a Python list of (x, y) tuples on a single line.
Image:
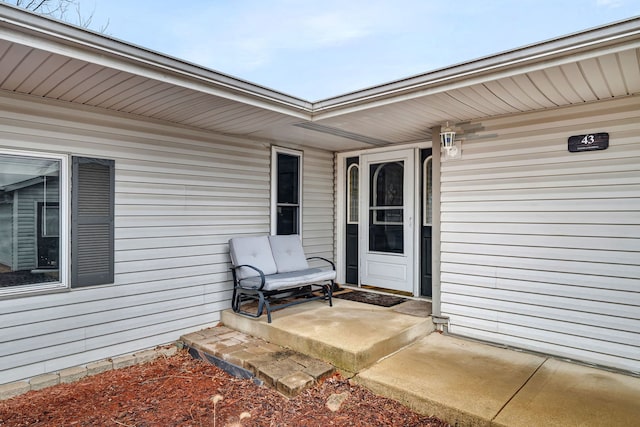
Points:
[(589, 142)]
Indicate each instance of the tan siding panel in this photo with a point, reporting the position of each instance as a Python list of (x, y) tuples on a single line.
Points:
[(592, 255), (318, 203), (541, 247), (542, 194), (545, 241), (572, 279), (544, 346)]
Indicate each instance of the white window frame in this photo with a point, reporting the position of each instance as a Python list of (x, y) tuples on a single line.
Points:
[(64, 236), (275, 150)]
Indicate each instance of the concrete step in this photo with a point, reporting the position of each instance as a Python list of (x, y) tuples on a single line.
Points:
[(350, 335)]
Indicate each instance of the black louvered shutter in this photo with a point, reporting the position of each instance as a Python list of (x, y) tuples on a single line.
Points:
[(92, 206)]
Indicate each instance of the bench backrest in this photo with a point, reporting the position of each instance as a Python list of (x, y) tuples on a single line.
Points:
[(288, 253), (255, 251), (271, 254)]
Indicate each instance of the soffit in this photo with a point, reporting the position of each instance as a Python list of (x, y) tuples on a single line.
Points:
[(590, 66), (606, 77), (50, 59)]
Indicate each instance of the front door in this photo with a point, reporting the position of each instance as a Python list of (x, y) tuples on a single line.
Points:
[(387, 220)]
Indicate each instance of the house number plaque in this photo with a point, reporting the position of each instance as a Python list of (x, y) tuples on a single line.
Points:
[(589, 142)]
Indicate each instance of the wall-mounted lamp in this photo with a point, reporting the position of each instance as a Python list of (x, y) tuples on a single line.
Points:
[(448, 142)]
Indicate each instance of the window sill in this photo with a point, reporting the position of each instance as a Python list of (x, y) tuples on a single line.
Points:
[(32, 290)]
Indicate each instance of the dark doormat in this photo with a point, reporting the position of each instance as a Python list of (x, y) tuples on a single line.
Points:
[(371, 298)]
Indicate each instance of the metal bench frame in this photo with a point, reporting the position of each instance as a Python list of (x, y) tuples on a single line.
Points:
[(269, 299), (289, 279)]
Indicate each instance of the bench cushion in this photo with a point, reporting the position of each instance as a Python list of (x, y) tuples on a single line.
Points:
[(255, 251), (288, 253), (293, 279)]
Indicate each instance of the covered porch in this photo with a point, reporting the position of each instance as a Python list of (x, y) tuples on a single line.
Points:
[(532, 245)]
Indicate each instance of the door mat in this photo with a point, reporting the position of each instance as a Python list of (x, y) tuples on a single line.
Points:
[(371, 298)]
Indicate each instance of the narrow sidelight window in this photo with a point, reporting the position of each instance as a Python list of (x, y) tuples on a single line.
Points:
[(427, 187), (353, 199)]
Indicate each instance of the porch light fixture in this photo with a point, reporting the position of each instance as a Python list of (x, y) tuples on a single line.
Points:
[(448, 142)]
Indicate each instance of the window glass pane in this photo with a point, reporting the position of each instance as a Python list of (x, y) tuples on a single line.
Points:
[(386, 238), (387, 184), (428, 192), (288, 178), (287, 222), (386, 207), (354, 198), (29, 220)]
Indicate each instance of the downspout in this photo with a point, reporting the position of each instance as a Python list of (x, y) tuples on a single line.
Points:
[(436, 301)]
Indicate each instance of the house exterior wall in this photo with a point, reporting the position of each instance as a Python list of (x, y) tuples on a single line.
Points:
[(540, 246), (180, 194)]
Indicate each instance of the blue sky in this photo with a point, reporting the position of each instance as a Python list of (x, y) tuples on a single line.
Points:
[(322, 48)]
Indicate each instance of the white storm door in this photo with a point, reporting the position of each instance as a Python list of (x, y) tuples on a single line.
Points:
[(387, 223)]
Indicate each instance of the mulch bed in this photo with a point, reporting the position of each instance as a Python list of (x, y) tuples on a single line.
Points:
[(180, 391), (371, 298)]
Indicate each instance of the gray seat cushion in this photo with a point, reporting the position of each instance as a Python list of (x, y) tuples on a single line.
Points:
[(288, 253), (293, 279), (255, 251)]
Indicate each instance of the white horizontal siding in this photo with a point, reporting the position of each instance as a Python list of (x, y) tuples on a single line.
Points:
[(541, 247), (317, 204), (180, 195)]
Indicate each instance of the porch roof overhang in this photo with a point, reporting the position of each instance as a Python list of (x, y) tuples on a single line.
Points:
[(41, 57)]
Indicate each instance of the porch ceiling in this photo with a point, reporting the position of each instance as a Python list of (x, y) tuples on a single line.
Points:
[(46, 58)]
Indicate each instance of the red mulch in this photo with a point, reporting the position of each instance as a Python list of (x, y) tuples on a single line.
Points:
[(179, 391)]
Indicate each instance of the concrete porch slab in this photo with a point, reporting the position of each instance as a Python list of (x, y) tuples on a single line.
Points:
[(350, 335)]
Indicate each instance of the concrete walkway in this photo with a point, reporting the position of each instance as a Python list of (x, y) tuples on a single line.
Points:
[(473, 384), (464, 382)]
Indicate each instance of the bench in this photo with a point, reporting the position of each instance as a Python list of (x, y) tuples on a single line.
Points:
[(273, 271)]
